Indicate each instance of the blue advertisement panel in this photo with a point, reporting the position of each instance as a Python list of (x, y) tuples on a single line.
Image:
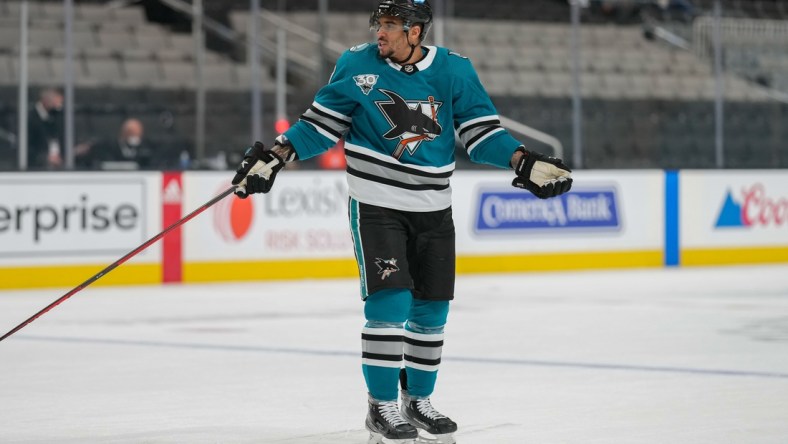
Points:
[(504, 211)]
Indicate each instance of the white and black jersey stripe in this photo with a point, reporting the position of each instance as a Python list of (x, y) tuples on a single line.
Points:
[(329, 123), (475, 131), (382, 180)]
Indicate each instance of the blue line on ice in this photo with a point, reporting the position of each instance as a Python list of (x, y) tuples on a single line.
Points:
[(499, 361)]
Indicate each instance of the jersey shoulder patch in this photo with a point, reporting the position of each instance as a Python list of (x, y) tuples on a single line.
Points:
[(360, 47), (455, 53)]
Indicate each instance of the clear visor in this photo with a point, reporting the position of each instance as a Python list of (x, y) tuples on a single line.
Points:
[(376, 26)]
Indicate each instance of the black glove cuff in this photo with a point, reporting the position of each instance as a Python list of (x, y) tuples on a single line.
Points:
[(526, 163), (252, 154)]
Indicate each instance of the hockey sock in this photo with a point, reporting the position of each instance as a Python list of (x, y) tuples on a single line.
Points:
[(424, 345), (381, 341)]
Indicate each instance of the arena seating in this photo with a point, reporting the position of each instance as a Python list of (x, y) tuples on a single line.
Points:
[(645, 104)]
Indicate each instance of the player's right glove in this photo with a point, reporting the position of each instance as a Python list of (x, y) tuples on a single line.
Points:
[(542, 175), (257, 171)]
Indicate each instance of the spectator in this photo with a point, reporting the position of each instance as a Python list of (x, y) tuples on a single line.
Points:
[(8, 155), (45, 131), (126, 151)]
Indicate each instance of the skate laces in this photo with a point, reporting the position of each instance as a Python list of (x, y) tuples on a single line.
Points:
[(390, 412), (425, 408)]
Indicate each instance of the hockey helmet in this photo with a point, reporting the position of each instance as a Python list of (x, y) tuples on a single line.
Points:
[(411, 12)]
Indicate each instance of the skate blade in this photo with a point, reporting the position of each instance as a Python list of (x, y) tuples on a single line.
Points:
[(377, 438), (427, 438)]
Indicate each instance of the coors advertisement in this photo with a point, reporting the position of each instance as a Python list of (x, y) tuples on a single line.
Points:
[(734, 209)]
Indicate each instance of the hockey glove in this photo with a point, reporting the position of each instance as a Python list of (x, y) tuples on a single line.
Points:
[(257, 171), (542, 175)]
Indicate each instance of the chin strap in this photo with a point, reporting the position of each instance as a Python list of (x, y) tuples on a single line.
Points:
[(412, 50)]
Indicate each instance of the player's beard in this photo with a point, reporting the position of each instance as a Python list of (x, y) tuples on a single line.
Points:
[(386, 51), (393, 45)]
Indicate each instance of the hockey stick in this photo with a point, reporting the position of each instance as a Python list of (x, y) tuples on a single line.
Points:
[(120, 261), (259, 168)]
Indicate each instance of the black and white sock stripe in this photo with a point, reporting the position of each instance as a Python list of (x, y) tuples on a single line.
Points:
[(423, 351), (382, 347)]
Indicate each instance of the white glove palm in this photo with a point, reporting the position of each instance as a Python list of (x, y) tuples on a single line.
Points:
[(542, 175)]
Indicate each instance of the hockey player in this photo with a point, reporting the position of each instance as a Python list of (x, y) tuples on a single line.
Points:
[(397, 104)]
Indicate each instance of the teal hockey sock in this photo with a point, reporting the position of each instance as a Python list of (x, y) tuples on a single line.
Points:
[(382, 341)]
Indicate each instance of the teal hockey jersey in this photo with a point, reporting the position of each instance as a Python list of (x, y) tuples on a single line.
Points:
[(399, 126)]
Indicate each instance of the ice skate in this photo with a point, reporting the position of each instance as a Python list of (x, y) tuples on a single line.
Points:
[(435, 427), (386, 425)]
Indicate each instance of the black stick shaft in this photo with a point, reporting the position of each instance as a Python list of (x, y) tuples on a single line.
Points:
[(120, 261)]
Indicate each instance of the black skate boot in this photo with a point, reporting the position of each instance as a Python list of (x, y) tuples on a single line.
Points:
[(421, 413), (385, 424)]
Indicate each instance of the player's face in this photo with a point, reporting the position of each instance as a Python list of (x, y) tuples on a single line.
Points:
[(392, 40)]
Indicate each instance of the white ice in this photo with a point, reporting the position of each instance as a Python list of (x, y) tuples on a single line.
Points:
[(666, 356)]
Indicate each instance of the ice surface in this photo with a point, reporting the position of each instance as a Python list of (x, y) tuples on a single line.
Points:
[(655, 356)]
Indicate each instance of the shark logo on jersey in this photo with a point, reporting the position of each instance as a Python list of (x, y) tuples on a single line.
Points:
[(412, 121), (386, 267), (366, 82)]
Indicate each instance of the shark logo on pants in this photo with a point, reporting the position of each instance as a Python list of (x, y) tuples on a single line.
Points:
[(386, 267)]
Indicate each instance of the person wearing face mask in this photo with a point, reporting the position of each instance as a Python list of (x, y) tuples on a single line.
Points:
[(45, 132), (126, 151), (397, 102)]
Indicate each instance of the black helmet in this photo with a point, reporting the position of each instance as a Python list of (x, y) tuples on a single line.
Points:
[(410, 11)]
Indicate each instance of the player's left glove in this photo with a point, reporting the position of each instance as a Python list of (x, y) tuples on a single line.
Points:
[(542, 175), (257, 171)]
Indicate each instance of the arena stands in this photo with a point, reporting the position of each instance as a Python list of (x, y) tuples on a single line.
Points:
[(646, 103)]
